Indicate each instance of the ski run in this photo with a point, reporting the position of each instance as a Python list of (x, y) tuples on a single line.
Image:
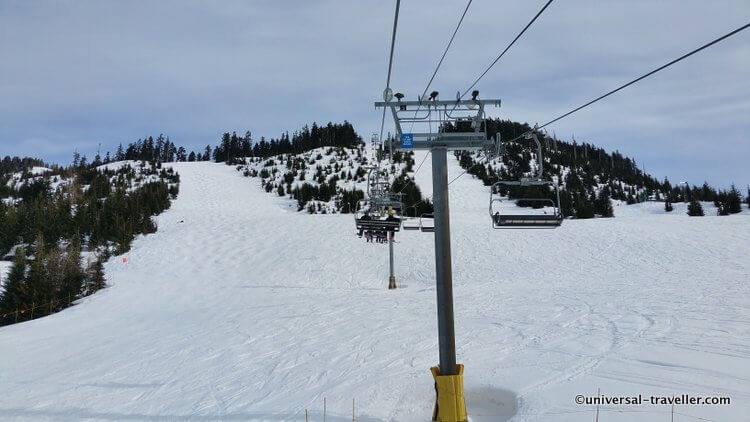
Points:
[(241, 308)]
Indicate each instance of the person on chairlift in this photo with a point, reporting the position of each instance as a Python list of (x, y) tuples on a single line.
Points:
[(392, 217), (364, 217)]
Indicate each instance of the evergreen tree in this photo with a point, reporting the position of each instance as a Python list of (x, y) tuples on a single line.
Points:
[(72, 276), (695, 209), (668, 205), (733, 200), (120, 154), (38, 281), (181, 154), (602, 205), (721, 209), (95, 277), (15, 295), (583, 207)]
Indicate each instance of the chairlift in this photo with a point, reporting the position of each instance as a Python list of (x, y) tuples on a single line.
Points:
[(550, 216), (370, 218), (424, 222), (427, 223)]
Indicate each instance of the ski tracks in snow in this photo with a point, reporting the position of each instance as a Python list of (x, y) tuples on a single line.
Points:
[(239, 309)]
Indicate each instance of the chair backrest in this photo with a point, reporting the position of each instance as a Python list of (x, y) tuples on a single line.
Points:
[(427, 222), (502, 220)]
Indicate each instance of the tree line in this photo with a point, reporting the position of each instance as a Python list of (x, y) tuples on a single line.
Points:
[(47, 222), (588, 175), (232, 146)]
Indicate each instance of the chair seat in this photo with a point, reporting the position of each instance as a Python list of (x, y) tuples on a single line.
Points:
[(390, 225), (527, 220)]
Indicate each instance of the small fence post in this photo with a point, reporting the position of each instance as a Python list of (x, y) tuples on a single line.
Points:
[(32, 311), (598, 395), (324, 409), (672, 412), (353, 419), (16, 315), (305, 415)]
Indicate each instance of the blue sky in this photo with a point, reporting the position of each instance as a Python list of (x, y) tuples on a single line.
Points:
[(76, 74)]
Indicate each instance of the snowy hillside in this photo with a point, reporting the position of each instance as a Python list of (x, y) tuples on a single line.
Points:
[(319, 179), (239, 308)]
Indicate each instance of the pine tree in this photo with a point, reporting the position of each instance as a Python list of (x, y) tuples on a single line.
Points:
[(15, 295), (73, 276), (603, 206), (733, 201), (95, 277), (120, 155), (181, 154), (583, 207), (38, 281), (695, 209), (668, 205)]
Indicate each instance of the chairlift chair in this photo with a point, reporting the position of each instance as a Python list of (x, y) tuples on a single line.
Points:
[(370, 218), (427, 223), (501, 219)]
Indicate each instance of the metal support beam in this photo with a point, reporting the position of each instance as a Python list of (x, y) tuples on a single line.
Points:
[(392, 277), (452, 141), (443, 272), (438, 103)]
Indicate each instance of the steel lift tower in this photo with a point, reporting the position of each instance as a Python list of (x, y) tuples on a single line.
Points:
[(450, 125)]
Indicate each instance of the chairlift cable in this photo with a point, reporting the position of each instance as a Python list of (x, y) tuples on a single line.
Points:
[(440, 62), (449, 183), (601, 97), (415, 173), (640, 78), (390, 65), (528, 25)]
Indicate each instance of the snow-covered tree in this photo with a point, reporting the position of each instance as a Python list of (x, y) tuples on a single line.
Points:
[(15, 295), (668, 205), (695, 209)]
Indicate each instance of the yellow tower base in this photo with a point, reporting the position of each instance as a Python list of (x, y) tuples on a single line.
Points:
[(450, 405)]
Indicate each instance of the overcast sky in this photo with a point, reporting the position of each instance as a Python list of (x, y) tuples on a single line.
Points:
[(74, 74)]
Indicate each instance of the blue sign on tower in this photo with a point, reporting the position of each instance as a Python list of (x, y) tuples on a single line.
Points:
[(407, 140)]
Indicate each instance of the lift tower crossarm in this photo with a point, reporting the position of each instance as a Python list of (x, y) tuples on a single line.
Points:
[(446, 111), (437, 103)]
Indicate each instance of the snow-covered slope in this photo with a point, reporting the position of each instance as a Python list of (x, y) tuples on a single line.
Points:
[(339, 169), (239, 309)]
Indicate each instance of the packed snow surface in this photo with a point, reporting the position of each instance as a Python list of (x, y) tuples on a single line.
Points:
[(239, 309)]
